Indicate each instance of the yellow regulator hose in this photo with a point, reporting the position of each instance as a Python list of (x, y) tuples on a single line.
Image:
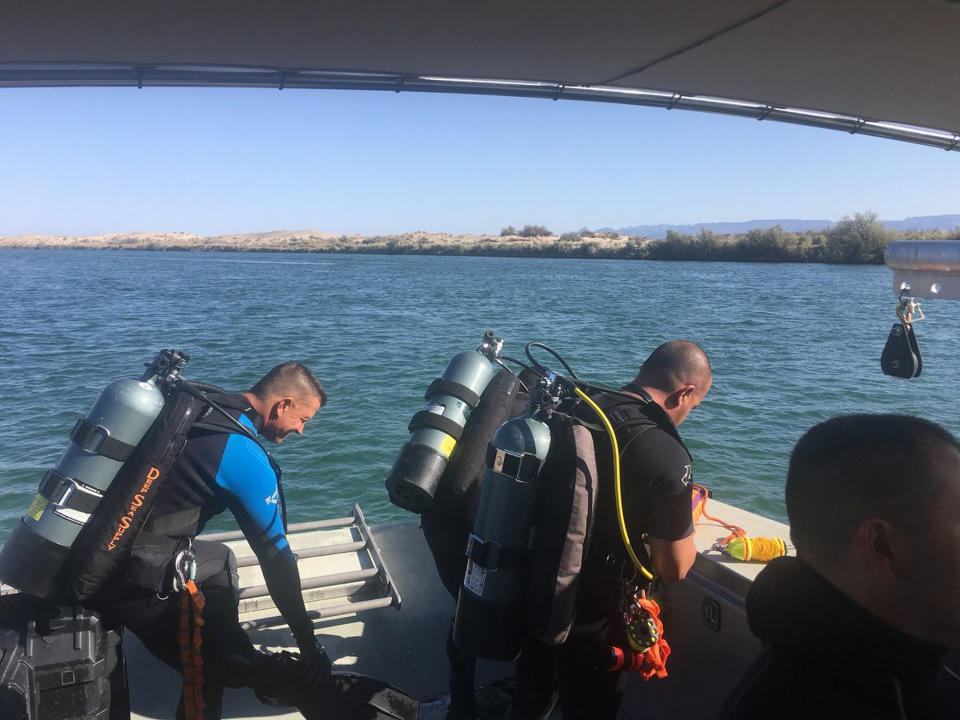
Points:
[(616, 481)]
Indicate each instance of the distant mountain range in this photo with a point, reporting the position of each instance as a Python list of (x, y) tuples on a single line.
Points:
[(922, 222)]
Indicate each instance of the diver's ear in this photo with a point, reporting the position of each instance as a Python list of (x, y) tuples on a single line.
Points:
[(877, 543), (678, 396), (280, 407)]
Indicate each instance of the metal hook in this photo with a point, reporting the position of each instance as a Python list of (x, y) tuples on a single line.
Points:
[(184, 567), (908, 309)]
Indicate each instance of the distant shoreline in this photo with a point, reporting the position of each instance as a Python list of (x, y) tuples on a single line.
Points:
[(858, 240), (306, 242)]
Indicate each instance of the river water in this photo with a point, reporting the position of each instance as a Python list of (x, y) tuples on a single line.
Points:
[(790, 345)]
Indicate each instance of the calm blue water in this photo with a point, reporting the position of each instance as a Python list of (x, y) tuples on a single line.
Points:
[(790, 345)]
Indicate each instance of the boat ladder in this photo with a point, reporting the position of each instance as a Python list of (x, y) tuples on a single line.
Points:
[(341, 570)]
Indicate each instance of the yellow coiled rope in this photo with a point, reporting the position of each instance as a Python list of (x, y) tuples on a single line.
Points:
[(737, 545), (759, 549), (616, 482)]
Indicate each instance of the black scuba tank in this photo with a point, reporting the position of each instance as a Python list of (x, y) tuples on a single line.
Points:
[(491, 609), (71, 493), (435, 430)]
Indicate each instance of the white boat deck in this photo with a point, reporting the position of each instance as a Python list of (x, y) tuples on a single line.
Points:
[(405, 646)]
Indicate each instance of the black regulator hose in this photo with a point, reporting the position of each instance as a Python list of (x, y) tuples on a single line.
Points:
[(552, 352), (524, 377)]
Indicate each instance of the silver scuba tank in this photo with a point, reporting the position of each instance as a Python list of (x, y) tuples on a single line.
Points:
[(71, 491), (491, 610), (434, 431)]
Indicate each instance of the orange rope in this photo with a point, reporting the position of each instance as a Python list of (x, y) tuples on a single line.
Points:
[(735, 530), (737, 545), (191, 656)]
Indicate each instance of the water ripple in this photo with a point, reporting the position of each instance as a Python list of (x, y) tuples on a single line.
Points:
[(787, 349)]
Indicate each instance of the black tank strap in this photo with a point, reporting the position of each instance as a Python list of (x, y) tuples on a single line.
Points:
[(97, 439), (520, 467), (69, 493), (425, 418), (457, 390), (493, 556)]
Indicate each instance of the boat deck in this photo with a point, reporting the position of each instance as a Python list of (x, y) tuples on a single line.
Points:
[(405, 645)]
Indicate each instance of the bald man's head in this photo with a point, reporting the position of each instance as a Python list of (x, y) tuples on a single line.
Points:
[(675, 363)]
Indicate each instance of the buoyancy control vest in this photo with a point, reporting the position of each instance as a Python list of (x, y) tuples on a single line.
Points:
[(188, 500), (609, 560)]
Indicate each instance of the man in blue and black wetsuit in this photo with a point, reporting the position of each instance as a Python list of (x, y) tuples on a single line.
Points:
[(223, 466)]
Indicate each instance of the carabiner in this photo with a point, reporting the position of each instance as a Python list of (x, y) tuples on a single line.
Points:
[(184, 567)]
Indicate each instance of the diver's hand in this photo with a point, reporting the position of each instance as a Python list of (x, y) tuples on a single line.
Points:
[(317, 663)]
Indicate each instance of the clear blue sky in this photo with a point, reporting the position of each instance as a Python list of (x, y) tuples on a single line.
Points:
[(213, 161)]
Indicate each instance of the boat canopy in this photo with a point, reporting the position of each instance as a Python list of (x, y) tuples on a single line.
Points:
[(878, 67)]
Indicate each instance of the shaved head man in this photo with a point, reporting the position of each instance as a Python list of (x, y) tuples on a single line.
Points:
[(858, 625)]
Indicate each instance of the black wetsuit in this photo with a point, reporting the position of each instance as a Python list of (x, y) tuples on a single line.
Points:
[(656, 474), (826, 657), (219, 468)]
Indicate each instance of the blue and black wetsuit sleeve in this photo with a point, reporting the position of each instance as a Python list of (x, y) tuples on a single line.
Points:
[(250, 487)]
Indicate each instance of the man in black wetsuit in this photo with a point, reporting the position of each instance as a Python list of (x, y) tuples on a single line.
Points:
[(657, 473), (858, 625), (223, 466)]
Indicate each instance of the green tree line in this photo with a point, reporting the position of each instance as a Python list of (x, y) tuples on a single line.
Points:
[(860, 239)]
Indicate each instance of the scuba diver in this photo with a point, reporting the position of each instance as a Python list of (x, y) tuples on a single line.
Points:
[(548, 570), (222, 465), (657, 472)]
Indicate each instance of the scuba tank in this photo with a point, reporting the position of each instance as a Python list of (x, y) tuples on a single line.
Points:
[(491, 610), (434, 431), (70, 493)]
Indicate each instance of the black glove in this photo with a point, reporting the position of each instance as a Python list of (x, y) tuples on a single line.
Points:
[(317, 664)]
